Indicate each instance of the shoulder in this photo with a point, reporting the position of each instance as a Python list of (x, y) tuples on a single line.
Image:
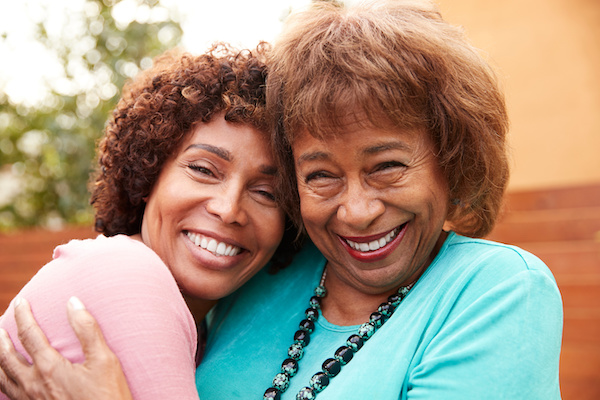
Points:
[(485, 256), (468, 270), (118, 254), (103, 268), (104, 247)]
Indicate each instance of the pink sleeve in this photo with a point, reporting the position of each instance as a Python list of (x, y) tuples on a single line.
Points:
[(137, 303)]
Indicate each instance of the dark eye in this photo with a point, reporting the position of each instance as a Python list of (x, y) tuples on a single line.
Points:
[(201, 169), (389, 165), (317, 175), (264, 195), (268, 195)]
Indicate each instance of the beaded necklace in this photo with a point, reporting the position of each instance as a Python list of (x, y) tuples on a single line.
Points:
[(331, 366)]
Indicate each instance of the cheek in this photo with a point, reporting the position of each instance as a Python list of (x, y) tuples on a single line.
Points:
[(313, 209), (437, 206), (270, 230)]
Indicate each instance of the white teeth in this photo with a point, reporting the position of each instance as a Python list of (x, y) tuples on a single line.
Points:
[(375, 244), (217, 248), (212, 246)]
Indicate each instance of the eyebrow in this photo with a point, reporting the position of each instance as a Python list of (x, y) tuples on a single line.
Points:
[(268, 170), (218, 151), (312, 156), (378, 148)]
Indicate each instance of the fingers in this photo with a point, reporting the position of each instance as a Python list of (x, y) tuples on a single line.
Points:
[(12, 367), (31, 335), (10, 388), (99, 359), (7, 386), (87, 331)]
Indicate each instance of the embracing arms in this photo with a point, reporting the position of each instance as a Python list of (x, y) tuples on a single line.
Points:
[(51, 376)]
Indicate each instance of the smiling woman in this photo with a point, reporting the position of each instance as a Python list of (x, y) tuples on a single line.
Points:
[(185, 200), (212, 214), (350, 181)]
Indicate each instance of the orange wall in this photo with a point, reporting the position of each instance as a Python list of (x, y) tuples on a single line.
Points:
[(548, 56)]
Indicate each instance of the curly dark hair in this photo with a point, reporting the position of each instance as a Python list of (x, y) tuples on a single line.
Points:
[(155, 113)]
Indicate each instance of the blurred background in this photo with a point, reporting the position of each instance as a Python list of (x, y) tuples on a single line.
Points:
[(63, 62)]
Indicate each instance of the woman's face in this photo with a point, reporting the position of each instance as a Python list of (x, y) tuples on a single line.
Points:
[(211, 215), (374, 202)]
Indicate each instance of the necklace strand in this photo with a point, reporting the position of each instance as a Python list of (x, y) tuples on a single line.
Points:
[(332, 366)]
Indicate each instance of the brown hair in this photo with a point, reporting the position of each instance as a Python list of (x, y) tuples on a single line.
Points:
[(156, 112), (395, 62)]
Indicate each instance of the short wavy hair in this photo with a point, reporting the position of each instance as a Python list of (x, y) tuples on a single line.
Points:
[(394, 62)]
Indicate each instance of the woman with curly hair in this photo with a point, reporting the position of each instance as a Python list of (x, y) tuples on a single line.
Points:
[(184, 198)]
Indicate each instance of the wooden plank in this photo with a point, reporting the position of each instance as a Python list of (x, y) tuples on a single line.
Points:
[(549, 225), (554, 198), (23, 253)]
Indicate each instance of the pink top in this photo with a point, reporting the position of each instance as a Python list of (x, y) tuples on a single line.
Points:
[(136, 301)]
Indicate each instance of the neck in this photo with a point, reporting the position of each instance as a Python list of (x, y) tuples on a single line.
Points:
[(198, 307), (345, 305)]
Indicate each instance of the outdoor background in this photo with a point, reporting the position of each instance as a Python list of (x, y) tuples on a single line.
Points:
[(63, 62)]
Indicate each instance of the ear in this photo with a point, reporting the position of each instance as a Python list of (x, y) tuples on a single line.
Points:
[(447, 226), (453, 205)]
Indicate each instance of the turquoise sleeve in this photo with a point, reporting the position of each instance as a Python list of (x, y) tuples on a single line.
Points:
[(505, 344)]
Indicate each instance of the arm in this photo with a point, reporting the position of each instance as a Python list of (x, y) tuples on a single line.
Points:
[(135, 301), (51, 376)]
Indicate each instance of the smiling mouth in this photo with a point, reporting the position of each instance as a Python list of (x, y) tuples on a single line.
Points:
[(214, 246), (376, 244)]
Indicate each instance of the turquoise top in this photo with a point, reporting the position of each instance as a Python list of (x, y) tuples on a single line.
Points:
[(483, 322)]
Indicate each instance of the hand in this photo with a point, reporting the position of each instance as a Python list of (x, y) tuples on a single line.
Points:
[(51, 376)]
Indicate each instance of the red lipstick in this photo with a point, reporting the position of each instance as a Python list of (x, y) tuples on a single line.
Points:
[(374, 255)]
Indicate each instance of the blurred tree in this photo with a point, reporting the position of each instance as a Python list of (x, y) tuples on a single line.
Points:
[(48, 149)]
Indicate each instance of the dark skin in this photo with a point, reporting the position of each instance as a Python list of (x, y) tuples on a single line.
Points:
[(49, 373)]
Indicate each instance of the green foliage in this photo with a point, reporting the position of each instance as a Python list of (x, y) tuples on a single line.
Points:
[(49, 149)]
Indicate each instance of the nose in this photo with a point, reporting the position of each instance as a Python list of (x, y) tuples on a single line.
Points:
[(227, 205), (360, 207)]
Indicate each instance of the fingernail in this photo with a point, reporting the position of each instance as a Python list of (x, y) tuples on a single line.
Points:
[(20, 301), (76, 304)]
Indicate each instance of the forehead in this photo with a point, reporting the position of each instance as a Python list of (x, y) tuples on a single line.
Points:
[(218, 131), (238, 144), (368, 139)]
